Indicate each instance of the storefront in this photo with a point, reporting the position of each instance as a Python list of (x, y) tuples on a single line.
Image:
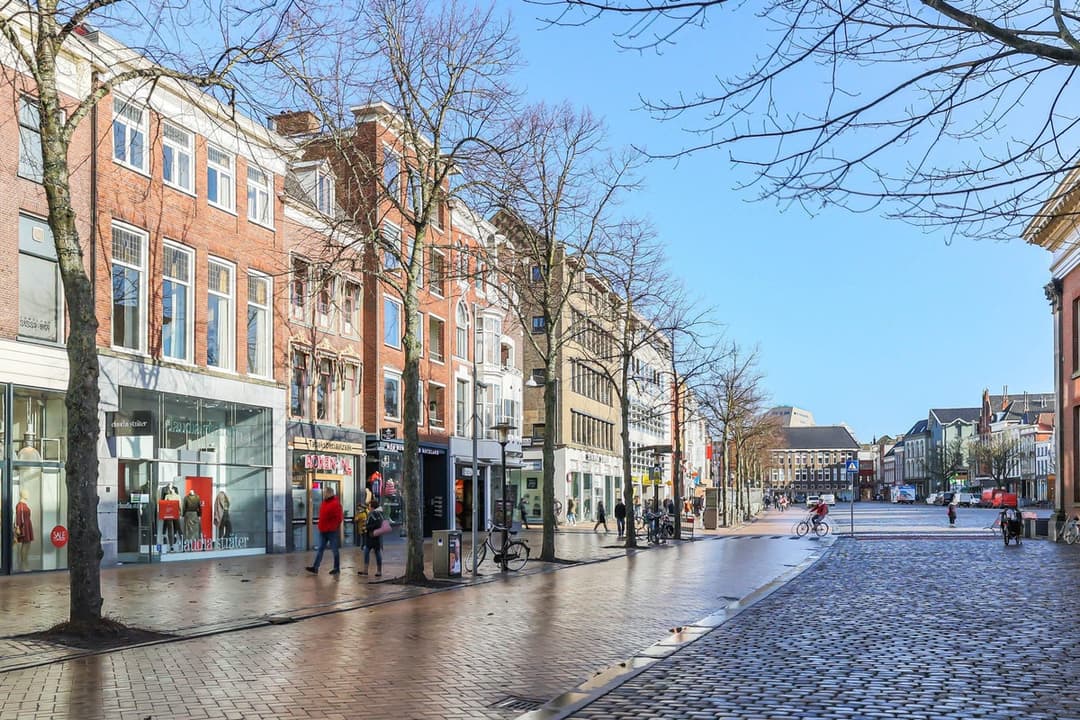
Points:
[(34, 493), (317, 464), (383, 477)]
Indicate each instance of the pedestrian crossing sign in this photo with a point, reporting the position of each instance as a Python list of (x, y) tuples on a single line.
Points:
[(852, 466)]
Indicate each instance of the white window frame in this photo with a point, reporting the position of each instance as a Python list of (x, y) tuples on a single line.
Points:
[(391, 234), (440, 290), (461, 331), (222, 170), (345, 399), (47, 254), (421, 319), (261, 211), (189, 330), (326, 319), (325, 192), (230, 359), (350, 326), (300, 313), (395, 193), (130, 128), (401, 317), (396, 376), (268, 309), (144, 245), (31, 164), (441, 358), (180, 151), (427, 410)]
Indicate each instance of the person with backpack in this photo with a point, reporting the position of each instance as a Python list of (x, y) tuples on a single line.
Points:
[(373, 532)]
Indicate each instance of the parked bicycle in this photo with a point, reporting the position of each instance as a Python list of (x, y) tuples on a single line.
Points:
[(1070, 530), (516, 551), (659, 527)]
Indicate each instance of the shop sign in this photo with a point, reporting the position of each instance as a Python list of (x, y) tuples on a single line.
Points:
[(388, 433), (59, 536), (330, 446), (339, 464), (182, 426), (129, 423)]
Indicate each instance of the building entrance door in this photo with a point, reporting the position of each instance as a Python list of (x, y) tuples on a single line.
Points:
[(135, 515), (307, 495)]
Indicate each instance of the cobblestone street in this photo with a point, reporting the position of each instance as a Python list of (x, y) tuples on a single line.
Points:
[(885, 629)]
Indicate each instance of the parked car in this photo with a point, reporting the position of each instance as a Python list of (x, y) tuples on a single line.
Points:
[(828, 499), (932, 499), (812, 500), (968, 499), (946, 498)]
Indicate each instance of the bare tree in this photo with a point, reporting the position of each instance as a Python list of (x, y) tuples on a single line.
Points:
[(995, 454), (945, 460), (949, 115), (556, 193), (47, 40), (436, 79)]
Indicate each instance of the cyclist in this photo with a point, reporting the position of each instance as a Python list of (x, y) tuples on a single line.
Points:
[(818, 513)]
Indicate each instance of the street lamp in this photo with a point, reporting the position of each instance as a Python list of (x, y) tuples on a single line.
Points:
[(502, 435)]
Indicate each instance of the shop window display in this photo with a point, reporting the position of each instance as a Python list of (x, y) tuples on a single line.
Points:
[(39, 436)]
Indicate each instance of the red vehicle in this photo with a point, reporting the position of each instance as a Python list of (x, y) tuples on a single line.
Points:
[(998, 498)]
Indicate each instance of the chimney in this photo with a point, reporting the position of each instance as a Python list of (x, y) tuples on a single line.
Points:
[(291, 124)]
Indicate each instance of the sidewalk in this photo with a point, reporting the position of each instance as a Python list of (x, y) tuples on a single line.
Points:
[(198, 597)]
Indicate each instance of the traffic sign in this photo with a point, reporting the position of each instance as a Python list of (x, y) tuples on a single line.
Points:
[(852, 466)]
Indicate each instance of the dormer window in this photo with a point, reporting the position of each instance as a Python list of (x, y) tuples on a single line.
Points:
[(318, 186), (324, 192)]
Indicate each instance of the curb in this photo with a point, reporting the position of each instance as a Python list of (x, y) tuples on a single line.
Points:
[(610, 678)]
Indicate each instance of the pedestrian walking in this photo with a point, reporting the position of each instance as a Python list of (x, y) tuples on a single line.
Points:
[(524, 513), (330, 518), (952, 514), (669, 506), (601, 516), (373, 541), (620, 516), (571, 518)]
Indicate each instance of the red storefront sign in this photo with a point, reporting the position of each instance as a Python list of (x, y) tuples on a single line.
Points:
[(59, 536)]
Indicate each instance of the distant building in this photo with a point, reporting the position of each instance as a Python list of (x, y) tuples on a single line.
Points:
[(806, 462), (790, 416)]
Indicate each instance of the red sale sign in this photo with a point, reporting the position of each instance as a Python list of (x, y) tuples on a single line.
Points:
[(59, 536)]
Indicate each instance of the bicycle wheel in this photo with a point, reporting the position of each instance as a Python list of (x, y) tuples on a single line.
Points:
[(481, 553), (517, 554), (802, 528), (822, 529), (669, 531)]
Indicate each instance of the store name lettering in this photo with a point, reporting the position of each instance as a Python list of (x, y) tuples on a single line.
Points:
[(233, 542), (330, 463), (191, 427)]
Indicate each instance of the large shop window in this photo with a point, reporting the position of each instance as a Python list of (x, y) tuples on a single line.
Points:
[(40, 308), (196, 482), (176, 271), (219, 319), (38, 490), (128, 287), (259, 344)]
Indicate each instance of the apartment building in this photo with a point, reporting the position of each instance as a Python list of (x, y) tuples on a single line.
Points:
[(178, 204), (806, 462)]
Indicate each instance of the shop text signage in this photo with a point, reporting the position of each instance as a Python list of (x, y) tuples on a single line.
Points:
[(182, 426), (59, 536), (388, 433), (339, 464), (331, 446), (398, 447), (127, 423), (203, 544)]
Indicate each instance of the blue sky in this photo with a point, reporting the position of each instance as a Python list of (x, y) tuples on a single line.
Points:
[(859, 319)]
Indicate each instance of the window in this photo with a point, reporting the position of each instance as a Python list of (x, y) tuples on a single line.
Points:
[(435, 338), (438, 272), (129, 135), (30, 162), (324, 302), (324, 193), (298, 385), (258, 195), (259, 344), (420, 402), (40, 307), (128, 287), (349, 394), (219, 316), (461, 344), (506, 356), (177, 157), (420, 334), (298, 290), (324, 390), (391, 322), (534, 274), (436, 405), (538, 323), (219, 178), (350, 309), (392, 396), (391, 173), (391, 238), (176, 275), (461, 408)]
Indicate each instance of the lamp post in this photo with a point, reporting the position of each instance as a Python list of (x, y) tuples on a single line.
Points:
[(502, 435)]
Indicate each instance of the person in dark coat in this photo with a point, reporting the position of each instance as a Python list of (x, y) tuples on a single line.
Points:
[(373, 542), (601, 516), (620, 516)]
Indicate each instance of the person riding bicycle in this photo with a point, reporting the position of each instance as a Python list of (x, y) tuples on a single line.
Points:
[(818, 512)]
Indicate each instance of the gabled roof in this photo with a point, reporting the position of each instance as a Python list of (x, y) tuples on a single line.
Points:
[(820, 437), (946, 416), (919, 427)]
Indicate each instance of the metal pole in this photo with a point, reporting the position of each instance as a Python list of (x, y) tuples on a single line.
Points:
[(475, 452), (851, 501), (506, 519)]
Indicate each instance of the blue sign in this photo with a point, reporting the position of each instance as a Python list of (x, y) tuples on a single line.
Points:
[(852, 467)]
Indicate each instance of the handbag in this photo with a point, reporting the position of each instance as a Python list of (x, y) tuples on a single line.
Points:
[(382, 529)]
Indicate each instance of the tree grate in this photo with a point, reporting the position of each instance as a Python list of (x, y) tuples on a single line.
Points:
[(513, 702)]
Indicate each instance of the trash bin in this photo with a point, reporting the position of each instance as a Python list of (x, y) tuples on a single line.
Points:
[(709, 518), (446, 553)]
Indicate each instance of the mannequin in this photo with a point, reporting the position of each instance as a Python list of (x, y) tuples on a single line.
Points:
[(221, 515), (192, 511), (172, 528), (24, 531)]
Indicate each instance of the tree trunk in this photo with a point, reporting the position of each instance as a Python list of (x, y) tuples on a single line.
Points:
[(724, 476), (627, 465), (414, 494), (551, 419), (676, 475), (81, 465)]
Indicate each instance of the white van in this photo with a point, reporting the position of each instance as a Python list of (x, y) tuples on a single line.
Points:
[(828, 499)]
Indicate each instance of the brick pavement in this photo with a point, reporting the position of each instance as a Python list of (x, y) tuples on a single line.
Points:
[(885, 629), (440, 655)]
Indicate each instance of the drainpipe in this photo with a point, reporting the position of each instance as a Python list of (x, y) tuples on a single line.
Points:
[(1053, 291), (93, 192)]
